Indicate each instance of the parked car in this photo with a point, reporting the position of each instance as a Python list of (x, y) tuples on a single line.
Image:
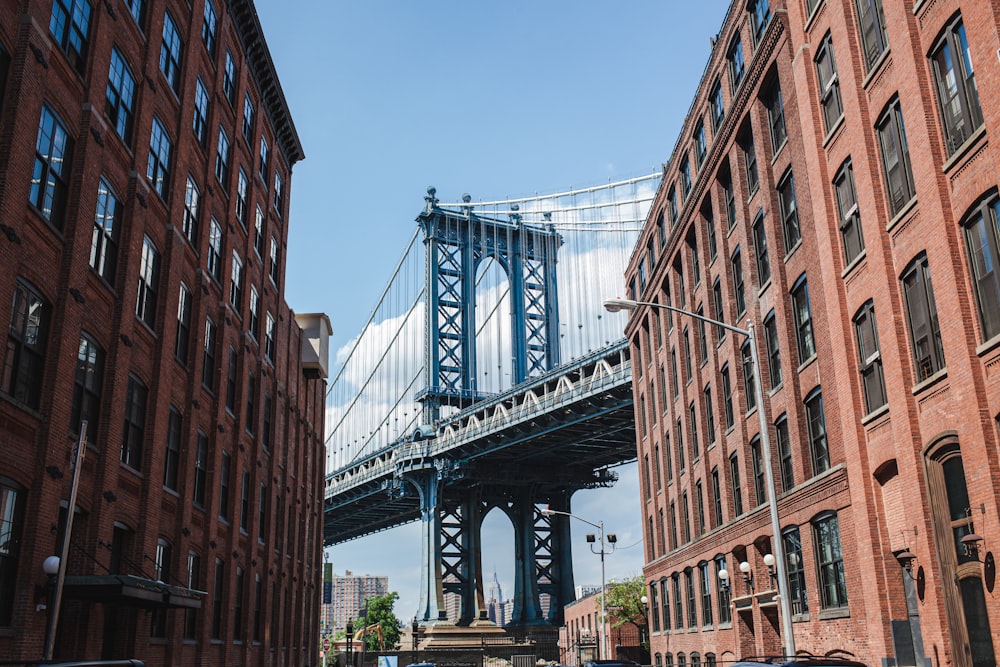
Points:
[(802, 660)]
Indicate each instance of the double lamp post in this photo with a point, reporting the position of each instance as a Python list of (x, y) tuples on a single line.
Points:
[(784, 599)]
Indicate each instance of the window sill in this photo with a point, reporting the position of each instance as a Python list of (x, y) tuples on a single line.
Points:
[(7, 398), (774, 390), (806, 363), (854, 263), (874, 414), (963, 151), (836, 612), (988, 345), (813, 15), (839, 123), (724, 626), (873, 73), (800, 618), (763, 288), (902, 213), (778, 150), (791, 251), (923, 385)]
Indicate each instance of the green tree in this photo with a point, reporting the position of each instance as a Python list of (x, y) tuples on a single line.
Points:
[(624, 605), (381, 614)]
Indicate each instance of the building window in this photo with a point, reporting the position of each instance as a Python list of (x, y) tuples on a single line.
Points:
[(214, 260), (758, 471), (716, 497), (702, 336), (679, 437), (183, 324), (692, 601), (229, 77), (87, 387), (775, 115), (873, 36), (208, 28), (665, 603), (261, 511), (136, 9), (803, 320), (672, 206), (263, 166), (958, 97), (208, 356), (654, 608), (729, 196), (829, 83), (135, 423), (829, 562), (785, 453), (236, 283), (706, 594), (895, 157), (201, 100), (269, 337), (161, 572), (192, 202), (675, 383), (254, 327), (673, 526), (104, 242), (678, 603), (734, 474), (268, 431), (700, 146), (685, 170), (173, 455), (194, 583), (242, 190), (224, 472), (258, 595), (279, 193), (982, 243), (811, 6), (818, 446), (718, 105), (149, 278), (760, 15), (274, 268), (70, 28), (248, 116), (686, 517), (158, 167), (760, 250), (796, 571), (53, 154), (921, 314), (870, 359), (709, 414), (222, 158), (773, 350), (700, 507), (739, 295), (722, 595), (11, 525), (720, 313), (231, 382), (120, 95), (789, 212), (217, 601), (251, 408), (850, 217), (245, 501), (727, 397), (734, 56), (749, 379), (200, 470), (687, 355), (693, 416), (170, 53), (713, 246), (750, 157), (258, 233), (24, 366)]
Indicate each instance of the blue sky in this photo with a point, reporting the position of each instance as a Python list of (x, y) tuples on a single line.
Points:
[(496, 99)]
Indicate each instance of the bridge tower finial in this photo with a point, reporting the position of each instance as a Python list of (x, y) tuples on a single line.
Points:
[(431, 201), (467, 209)]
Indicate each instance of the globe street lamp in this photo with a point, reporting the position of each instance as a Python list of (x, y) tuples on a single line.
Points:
[(612, 539), (615, 305)]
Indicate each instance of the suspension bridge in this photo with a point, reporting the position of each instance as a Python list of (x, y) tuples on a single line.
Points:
[(489, 376)]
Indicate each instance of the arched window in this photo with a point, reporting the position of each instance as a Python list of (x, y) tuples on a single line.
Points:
[(12, 499)]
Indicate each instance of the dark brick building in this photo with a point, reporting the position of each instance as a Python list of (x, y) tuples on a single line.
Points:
[(834, 172), (146, 153)]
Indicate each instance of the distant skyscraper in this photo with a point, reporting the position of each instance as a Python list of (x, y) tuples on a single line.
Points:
[(495, 609)]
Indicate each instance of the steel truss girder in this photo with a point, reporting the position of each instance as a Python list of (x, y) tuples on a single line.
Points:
[(456, 243)]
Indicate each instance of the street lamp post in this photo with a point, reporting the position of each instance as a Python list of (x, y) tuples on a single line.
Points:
[(611, 539), (615, 305)]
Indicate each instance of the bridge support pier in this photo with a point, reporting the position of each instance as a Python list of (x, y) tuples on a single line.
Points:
[(428, 485)]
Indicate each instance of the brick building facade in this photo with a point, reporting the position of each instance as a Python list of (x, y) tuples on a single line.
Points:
[(834, 171), (146, 152)]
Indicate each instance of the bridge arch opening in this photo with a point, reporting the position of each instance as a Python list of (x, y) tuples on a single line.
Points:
[(493, 341), (498, 565)]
